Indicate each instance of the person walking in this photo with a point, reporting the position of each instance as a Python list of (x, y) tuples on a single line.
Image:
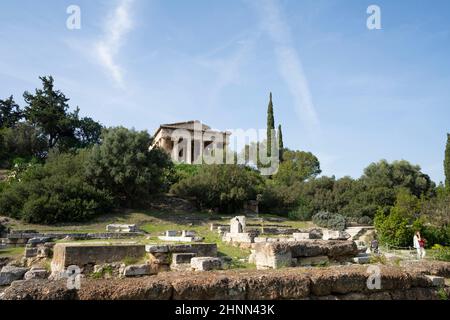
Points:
[(419, 245), (422, 243)]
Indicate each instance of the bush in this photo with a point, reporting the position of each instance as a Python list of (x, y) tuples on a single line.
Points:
[(182, 171), (440, 252), (123, 165), (222, 187), (23, 141), (330, 220), (2, 229), (303, 212), (393, 228), (279, 199), (54, 192), (365, 220), (432, 234)]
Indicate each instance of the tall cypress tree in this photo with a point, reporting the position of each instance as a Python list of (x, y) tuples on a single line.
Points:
[(280, 142), (270, 126), (447, 163)]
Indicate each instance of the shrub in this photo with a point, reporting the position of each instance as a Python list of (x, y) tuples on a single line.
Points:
[(223, 187), (183, 171), (436, 235), (54, 192), (24, 141), (393, 228), (303, 212), (2, 229), (441, 253), (365, 220), (123, 165), (279, 199), (329, 220)]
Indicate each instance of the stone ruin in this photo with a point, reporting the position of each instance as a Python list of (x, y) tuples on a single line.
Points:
[(238, 232), (150, 259), (22, 237), (121, 228), (87, 255), (185, 236), (184, 257), (301, 253)]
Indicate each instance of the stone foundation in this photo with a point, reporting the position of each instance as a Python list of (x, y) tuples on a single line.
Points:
[(286, 254), (83, 254), (178, 257), (332, 283), (22, 237)]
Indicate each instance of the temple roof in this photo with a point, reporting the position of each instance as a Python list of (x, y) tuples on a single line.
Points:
[(189, 125)]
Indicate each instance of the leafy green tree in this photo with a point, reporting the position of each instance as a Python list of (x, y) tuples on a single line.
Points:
[(222, 187), (270, 125), (124, 165), (88, 132), (396, 175), (447, 163), (23, 141), (10, 113), (281, 199), (48, 110), (56, 191), (437, 210), (303, 212), (297, 166)]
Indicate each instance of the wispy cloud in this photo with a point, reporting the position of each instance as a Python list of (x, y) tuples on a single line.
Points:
[(226, 68), (288, 60), (116, 27)]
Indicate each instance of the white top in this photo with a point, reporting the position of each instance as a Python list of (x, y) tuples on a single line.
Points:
[(416, 242)]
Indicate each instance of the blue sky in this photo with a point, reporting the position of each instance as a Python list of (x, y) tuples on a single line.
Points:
[(348, 94)]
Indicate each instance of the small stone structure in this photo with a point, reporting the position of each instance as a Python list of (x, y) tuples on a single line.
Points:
[(206, 264), (300, 236), (181, 261), (362, 258), (238, 232), (139, 270), (186, 236), (436, 281), (36, 273), (121, 228), (178, 256), (8, 274), (37, 250), (238, 224), (335, 235), (86, 255), (289, 254)]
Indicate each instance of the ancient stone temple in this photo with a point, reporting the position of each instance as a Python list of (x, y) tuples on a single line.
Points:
[(188, 141)]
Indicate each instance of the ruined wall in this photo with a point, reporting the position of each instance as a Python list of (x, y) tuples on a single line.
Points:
[(349, 282), (285, 254), (79, 254)]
